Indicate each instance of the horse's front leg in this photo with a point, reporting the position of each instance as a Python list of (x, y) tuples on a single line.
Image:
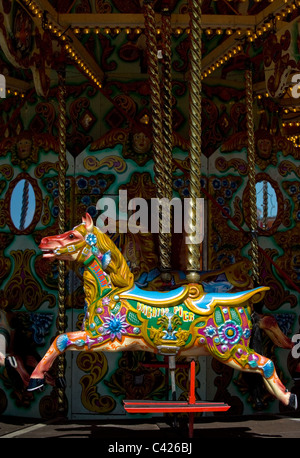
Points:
[(63, 342)]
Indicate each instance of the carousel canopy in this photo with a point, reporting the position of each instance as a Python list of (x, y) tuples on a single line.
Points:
[(105, 40)]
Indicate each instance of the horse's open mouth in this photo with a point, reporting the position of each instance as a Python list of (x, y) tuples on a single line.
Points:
[(48, 253)]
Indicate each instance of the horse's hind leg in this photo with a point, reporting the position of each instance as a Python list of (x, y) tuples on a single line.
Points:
[(257, 363), (63, 342)]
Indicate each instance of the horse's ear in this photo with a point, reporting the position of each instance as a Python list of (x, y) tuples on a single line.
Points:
[(87, 219)]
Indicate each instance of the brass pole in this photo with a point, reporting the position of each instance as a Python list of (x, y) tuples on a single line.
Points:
[(252, 179), (159, 156), (25, 199), (193, 262), (61, 321), (265, 204), (167, 131), (167, 101)]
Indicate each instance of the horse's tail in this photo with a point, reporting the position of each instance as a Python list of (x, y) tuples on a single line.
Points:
[(256, 334), (269, 325)]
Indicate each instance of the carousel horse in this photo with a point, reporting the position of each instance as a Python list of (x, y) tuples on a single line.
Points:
[(119, 316)]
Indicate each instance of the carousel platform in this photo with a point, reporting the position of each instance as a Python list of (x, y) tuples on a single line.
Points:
[(154, 430)]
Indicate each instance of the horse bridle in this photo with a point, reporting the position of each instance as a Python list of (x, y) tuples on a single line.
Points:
[(90, 239)]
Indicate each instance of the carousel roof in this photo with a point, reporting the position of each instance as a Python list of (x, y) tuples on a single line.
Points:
[(106, 39)]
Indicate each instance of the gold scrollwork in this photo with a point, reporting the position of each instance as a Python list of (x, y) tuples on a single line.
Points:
[(96, 366), (5, 262), (22, 288), (195, 291), (7, 171), (92, 163), (287, 167), (238, 164), (46, 214), (44, 167)]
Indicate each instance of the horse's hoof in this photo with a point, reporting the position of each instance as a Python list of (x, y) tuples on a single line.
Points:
[(10, 361), (36, 384), (293, 402)]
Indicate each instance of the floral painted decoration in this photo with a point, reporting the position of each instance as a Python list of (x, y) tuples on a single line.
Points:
[(91, 239), (105, 300), (230, 332), (115, 325)]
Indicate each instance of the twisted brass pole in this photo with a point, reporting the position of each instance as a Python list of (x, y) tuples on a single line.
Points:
[(167, 130), (61, 224), (193, 261), (157, 142), (252, 179), (265, 204), (167, 101), (25, 199)]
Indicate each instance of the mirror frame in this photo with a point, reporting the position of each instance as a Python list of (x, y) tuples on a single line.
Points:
[(38, 204), (280, 205)]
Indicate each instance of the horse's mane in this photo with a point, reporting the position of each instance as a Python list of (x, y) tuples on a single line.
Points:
[(117, 269)]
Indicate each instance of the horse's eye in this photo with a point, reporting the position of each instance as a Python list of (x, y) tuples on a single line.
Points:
[(71, 236)]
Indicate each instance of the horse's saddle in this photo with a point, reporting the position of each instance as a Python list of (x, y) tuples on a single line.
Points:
[(204, 303), (207, 302), (158, 298)]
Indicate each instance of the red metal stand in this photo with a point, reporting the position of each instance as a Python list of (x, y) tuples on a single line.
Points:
[(191, 406)]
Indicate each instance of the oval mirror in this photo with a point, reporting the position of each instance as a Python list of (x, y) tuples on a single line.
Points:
[(266, 203), (22, 204)]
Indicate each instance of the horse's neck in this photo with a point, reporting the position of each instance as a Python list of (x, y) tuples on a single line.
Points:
[(96, 281), (118, 269)]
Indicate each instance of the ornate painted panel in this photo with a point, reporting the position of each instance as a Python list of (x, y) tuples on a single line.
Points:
[(27, 303), (109, 144), (98, 383)]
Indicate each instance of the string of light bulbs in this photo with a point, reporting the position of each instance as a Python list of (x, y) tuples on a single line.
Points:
[(251, 34)]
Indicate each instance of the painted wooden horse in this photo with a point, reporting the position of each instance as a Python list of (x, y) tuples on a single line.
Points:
[(119, 316)]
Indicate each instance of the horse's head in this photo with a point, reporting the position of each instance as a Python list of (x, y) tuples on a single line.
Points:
[(85, 241), (75, 245)]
